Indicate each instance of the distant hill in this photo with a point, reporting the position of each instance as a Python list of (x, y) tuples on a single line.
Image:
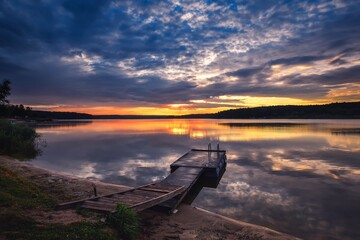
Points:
[(346, 110), (58, 115), (333, 110)]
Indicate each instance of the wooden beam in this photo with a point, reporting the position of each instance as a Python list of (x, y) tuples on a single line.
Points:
[(184, 194), (202, 150), (155, 190), (152, 202), (70, 204), (97, 208)]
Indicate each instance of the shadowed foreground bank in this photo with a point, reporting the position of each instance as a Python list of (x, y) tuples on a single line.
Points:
[(188, 223)]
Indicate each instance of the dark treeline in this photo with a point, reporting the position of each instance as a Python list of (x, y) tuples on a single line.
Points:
[(8, 110), (14, 111), (349, 110), (327, 111), (58, 115), (21, 112)]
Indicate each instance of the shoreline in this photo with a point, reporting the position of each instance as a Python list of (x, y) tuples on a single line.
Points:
[(188, 223)]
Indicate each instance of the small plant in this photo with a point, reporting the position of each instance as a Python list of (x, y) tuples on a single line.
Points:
[(125, 221)]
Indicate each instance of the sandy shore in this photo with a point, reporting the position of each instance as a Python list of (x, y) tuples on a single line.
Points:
[(188, 223)]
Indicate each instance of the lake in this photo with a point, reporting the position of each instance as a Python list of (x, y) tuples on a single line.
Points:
[(296, 176)]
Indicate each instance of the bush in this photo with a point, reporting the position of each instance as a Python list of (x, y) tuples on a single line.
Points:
[(19, 141), (125, 221)]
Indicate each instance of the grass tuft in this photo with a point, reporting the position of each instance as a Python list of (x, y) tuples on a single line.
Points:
[(125, 221)]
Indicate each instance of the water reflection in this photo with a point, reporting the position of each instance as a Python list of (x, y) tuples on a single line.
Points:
[(296, 176), (60, 123)]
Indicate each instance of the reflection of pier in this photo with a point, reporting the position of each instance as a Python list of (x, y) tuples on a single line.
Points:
[(189, 174)]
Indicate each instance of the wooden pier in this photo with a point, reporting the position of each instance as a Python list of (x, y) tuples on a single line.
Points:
[(168, 193)]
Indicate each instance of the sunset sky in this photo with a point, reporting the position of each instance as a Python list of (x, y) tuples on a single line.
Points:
[(179, 57)]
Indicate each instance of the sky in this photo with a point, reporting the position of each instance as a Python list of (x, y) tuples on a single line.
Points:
[(179, 57)]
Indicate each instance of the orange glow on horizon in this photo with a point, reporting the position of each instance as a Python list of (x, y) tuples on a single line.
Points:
[(203, 106), (173, 110)]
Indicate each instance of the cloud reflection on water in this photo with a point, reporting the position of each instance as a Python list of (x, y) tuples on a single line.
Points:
[(296, 178)]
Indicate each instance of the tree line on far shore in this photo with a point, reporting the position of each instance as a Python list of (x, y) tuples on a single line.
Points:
[(19, 111), (350, 110), (346, 110), (8, 110)]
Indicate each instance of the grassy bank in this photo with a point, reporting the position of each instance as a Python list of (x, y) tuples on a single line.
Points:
[(18, 193), (19, 196)]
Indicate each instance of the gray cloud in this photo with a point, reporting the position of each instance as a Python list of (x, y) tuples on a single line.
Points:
[(334, 77), (297, 60)]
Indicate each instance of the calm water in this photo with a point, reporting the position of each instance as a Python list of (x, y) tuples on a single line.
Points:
[(296, 176)]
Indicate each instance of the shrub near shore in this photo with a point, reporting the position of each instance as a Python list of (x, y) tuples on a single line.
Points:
[(18, 140)]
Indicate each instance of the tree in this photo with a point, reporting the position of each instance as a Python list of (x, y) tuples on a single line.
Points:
[(4, 92)]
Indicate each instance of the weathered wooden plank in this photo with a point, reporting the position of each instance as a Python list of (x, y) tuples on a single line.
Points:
[(129, 201), (155, 190), (98, 206), (189, 171), (147, 193), (199, 159), (165, 186), (179, 176), (157, 200), (96, 202), (109, 200), (170, 203), (208, 150), (134, 201), (78, 202), (102, 204), (135, 197), (188, 180)]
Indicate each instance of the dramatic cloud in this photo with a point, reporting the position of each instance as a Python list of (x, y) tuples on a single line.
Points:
[(179, 56)]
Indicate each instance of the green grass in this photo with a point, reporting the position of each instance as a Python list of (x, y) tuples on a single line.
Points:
[(23, 228), (17, 192), (12, 221), (18, 140), (73, 231), (88, 213), (17, 195), (125, 221)]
